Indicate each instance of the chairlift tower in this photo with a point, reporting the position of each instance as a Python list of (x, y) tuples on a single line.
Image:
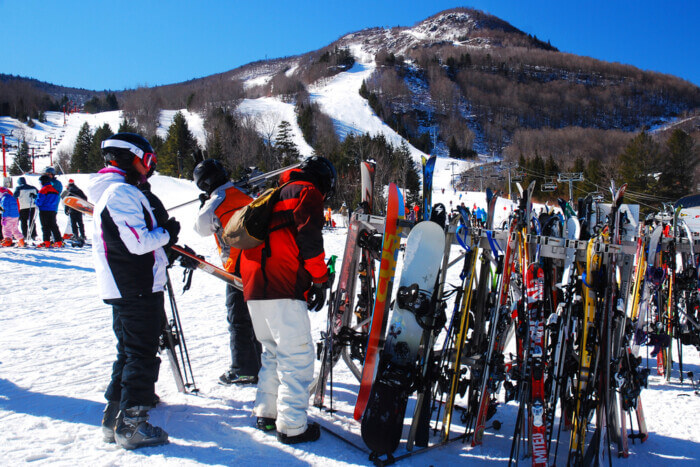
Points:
[(509, 166), (570, 178)]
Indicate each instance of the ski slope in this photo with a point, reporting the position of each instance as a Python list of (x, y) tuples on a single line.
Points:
[(57, 347)]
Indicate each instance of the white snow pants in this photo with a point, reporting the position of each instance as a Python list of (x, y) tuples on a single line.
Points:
[(284, 330)]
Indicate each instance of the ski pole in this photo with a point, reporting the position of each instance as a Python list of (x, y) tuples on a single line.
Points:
[(184, 354), (246, 182), (32, 223)]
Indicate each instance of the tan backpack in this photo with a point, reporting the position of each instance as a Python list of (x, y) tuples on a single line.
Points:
[(249, 227)]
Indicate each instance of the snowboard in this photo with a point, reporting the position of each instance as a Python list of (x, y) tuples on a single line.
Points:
[(382, 422), (78, 204), (385, 283)]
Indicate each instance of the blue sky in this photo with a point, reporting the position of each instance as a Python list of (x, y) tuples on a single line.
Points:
[(118, 44)]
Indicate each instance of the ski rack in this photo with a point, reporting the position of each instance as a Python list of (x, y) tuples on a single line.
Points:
[(682, 244), (555, 247)]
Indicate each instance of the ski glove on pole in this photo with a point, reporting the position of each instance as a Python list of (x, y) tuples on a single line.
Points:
[(203, 198), (316, 297), (187, 262), (173, 228)]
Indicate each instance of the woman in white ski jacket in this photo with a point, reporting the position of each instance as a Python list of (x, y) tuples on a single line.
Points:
[(130, 261), (125, 231)]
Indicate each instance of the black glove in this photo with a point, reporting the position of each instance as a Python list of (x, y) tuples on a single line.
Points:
[(173, 228), (316, 296), (32, 195), (203, 198), (187, 262)]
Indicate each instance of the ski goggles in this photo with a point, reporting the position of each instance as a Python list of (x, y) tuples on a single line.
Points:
[(149, 161)]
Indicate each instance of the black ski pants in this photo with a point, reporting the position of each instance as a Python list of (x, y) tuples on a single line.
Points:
[(76, 223), (245, 348), (137, 323), (49, 226), (25, 220)]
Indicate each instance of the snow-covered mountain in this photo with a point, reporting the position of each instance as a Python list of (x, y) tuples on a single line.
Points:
[(461, 78)]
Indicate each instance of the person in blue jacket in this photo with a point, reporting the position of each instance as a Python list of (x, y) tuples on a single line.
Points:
[(10, 211), (55, 182), (47, 202)]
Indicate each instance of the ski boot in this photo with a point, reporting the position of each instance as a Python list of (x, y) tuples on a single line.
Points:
[(109, 421), (231, 377), (58, 244), (6, 242), (265, 424), (133, 430), (312, 433), (21, 243)]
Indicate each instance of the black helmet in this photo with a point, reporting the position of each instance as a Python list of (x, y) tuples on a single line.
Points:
[(322, 174), (120, 150), (209, 175)]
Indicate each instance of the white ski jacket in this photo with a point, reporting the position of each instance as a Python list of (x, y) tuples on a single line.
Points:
[(24, 193), (127, 244)]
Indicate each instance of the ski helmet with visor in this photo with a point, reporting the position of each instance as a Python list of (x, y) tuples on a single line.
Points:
[(121, 149)]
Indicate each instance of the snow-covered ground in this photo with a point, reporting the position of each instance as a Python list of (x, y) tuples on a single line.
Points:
[(57, 346)]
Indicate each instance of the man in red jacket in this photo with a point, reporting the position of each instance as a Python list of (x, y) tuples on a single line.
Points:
[(281, 278)]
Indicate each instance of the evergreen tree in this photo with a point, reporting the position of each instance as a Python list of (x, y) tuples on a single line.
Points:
[(95, 161), (127, 126), (305, 118), (177, 157), (23, 161), (679, 165), (284, 144), (81, 151), (111, 102), (639, 163), (408, 173), (551, 168), (593, 172)]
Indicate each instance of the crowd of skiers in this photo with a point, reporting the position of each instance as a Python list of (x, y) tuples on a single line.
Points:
[(20, 209), (270, 332)]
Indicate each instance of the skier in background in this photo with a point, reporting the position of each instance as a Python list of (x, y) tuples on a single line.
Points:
[(282, 278), (26, 196), (220, 200), (55, 182), (344, 213), (329, 217), (10, 218), (130, 260), (47, 203), (76, 217)]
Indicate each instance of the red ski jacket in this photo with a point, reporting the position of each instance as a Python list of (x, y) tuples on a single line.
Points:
[(293, 257)]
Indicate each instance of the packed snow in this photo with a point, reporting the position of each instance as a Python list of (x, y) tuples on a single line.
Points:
[(57, 347)]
